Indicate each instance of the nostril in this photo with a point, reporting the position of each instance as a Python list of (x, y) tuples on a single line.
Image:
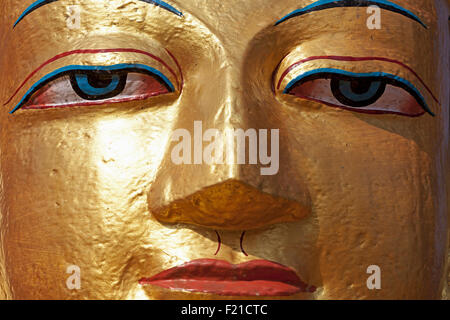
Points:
[(219, 243), (241, 244), (230, 205)]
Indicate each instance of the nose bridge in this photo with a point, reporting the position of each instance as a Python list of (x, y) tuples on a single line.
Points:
[(213, 112), (231, 116), (220, 192), (227, 108)]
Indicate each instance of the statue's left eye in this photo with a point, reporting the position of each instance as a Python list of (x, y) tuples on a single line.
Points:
[(357, 93), (85, 86), (370, 93), (97, 85)]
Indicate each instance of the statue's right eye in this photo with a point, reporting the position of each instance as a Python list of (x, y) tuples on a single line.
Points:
[(85, 85)]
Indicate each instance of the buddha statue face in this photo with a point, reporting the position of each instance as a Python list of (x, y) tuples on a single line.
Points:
[(108, 109)]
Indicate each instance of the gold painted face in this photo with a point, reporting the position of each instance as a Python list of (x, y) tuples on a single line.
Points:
[(99, 87)]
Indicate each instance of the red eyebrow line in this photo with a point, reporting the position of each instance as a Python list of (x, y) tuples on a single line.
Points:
[(347, 58), (86, 51)]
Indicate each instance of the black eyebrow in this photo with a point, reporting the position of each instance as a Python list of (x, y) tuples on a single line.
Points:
[(40, 3), (327, 4)]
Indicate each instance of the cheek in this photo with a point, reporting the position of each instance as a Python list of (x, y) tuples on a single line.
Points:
[(376, 207), (374, 187), (75, 194)]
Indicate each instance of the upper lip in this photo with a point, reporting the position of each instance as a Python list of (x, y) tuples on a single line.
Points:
[(252, 278)]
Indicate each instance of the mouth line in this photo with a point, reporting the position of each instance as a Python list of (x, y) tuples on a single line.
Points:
[(252, 278)]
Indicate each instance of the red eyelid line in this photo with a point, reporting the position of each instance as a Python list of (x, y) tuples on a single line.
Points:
[(367, 111), (87, 104), (348, 58), (90, 51)]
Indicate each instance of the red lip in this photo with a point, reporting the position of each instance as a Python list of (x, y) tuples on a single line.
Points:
[(253, 278)]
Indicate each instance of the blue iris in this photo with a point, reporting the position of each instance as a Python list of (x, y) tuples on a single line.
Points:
[(345, 88), (98, 84), (82, 81)]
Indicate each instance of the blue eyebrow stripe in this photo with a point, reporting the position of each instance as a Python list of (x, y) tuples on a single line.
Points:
[(60, 71), (164, 5), (405, 82), (39, 3), (31, 8), (328, 4)]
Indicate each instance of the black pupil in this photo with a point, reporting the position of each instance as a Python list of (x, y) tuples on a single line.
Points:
[(360, 86), (357, 92), (99, 80)]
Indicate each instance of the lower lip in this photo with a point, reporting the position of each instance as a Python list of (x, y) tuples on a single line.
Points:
[(194, 277)]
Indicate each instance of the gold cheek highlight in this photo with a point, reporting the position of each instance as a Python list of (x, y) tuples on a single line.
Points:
[(93, 205)]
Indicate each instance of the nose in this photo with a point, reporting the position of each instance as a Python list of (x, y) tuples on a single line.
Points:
[(230, 195), (231, 205)]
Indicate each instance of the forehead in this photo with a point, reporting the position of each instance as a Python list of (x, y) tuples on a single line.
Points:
[(264, 9), (235, 23), (231, 11)]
